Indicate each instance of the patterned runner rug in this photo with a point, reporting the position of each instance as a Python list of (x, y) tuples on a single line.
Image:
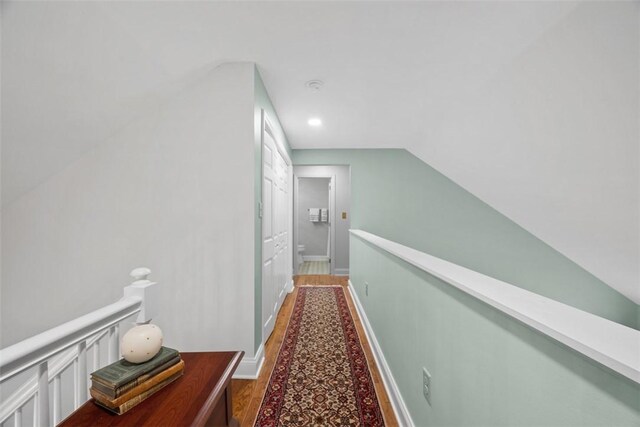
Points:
[(321, 376)]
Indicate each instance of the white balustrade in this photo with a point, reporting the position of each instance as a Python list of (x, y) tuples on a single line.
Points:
[(43, 393), (17, 418), (36, 413), (57, 400), (113, 344), (80, 375), (55, 350), (96, 355)]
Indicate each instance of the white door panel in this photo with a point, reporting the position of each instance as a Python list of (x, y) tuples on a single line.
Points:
[(275, 224)]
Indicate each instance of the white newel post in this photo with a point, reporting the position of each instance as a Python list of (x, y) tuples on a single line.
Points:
[(145, 290)]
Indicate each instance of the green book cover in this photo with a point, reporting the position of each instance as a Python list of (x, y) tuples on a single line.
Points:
[(113, 393), (122, 372)]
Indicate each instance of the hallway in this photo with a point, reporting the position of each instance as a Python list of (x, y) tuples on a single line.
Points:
[(396, 212), (248, 394), (315, 268)]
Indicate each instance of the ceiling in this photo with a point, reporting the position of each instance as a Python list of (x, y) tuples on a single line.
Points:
[(531, 106)]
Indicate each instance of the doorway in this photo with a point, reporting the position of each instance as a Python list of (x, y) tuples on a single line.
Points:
[(321, 244), (315, 217)]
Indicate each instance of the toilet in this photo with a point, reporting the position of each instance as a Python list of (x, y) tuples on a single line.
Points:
[(300, 250)]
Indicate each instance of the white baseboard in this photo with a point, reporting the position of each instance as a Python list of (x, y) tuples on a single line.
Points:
[(289, 287), (315, 258), (342, 272), (399, 407), (249, 367)]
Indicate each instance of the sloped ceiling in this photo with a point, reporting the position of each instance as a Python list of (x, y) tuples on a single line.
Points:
[(532, 106)]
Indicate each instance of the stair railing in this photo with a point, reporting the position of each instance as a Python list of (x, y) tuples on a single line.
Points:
[(56, 349)]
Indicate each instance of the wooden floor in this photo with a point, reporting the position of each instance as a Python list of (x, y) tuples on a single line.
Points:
[(247, 394)]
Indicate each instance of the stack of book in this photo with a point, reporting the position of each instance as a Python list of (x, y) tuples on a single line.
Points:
[(122, 385)]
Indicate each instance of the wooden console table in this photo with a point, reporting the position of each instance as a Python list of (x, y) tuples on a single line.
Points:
[(202, 397)]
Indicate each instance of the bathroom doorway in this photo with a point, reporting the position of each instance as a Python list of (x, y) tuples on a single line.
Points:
[(315, 219), (321, 220)]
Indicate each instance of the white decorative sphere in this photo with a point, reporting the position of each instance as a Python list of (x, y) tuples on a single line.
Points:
[(141, 343)]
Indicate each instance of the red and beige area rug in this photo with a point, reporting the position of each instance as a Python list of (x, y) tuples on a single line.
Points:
[(321, 376)]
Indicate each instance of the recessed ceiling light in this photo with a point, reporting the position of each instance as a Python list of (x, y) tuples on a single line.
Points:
[(314, 121)]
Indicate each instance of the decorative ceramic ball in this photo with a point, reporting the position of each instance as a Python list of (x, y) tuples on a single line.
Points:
[(141, 343)]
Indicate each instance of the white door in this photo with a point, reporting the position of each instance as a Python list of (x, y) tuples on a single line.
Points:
[(275, 236), (282, 227)]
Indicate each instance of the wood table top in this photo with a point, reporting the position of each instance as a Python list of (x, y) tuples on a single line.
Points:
[(189, 401)]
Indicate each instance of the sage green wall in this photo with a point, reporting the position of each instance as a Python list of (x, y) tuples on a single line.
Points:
[(262, 101), (487, 369), (397, 196)]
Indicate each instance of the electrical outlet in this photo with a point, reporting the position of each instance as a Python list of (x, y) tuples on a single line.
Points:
[(426, 385), (366, 288)]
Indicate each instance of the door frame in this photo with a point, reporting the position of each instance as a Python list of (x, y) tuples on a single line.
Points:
[(332, 215)]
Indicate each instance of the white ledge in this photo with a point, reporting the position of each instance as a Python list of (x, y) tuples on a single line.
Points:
[(609, 343)]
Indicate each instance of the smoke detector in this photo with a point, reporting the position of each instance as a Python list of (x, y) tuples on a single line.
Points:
[(314, 84)]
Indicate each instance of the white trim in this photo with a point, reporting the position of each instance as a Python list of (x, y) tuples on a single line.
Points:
[(250, 367), (609, 343), (294, 247), (331, 244), (315, 258), (269, 128), (399, 407), (293, 250), (289, 288), (342, 272)]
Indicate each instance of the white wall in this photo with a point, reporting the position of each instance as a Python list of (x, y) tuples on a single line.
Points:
[(173, 191), (552, 141), (343, 204)]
